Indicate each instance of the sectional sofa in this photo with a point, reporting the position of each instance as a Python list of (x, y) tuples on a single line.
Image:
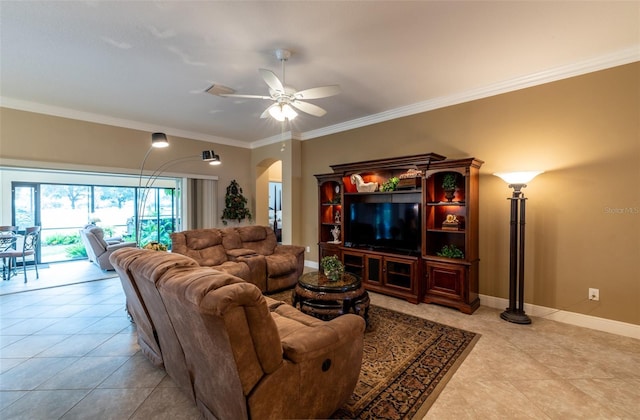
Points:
[(237, 353)]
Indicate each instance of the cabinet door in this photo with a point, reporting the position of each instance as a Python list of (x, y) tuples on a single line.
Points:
[(353, 263), (373, 273), (399, 273), (446, 280)]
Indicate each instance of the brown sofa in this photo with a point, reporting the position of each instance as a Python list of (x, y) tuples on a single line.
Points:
[(237, 353), (249, 252)]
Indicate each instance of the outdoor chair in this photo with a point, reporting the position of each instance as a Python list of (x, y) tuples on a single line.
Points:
[(8, 239), (29, 243)]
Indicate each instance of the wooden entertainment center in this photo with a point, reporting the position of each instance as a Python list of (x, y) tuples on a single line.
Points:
[(408, 238)]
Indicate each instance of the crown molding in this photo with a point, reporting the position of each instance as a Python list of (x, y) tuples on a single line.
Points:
[(619, 58), (21, 105), (622, 57)]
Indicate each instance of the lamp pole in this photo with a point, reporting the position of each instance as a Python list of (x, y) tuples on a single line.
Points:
[(517, 180)]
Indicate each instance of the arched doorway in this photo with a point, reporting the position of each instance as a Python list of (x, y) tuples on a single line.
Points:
[(269, 195)]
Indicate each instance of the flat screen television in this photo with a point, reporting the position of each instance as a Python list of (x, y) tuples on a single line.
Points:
[(393, 227)]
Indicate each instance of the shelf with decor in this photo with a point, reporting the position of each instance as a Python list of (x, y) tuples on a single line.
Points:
[(409, 226), (329, 216), (450, 235)]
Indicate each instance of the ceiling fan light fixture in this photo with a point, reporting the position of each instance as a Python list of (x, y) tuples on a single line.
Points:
[(280, 112)]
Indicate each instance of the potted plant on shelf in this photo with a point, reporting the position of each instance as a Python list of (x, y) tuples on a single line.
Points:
[(449, 185), (332, 267), (450, 251), (390, 185)]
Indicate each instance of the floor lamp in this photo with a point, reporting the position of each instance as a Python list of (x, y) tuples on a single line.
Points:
[(159, 140), (517, 180)]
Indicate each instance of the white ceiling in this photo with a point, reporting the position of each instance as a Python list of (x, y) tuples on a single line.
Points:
[(146, 64)]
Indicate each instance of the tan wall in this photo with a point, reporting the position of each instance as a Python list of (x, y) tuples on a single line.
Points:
[(583, 213), (288, 154), (583, 221), (53, 142)]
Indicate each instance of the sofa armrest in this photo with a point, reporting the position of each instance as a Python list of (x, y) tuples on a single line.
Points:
[(113, 240), (121, 245), (315, 340), (289, 249)]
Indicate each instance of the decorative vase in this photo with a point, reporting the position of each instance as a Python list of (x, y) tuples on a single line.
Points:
[(449, 194), (333, 275)]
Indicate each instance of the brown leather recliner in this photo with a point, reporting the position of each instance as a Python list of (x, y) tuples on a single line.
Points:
[(247, 356), (143, 268), (264, 262), (205, 246), (284, 264), (147, 338)]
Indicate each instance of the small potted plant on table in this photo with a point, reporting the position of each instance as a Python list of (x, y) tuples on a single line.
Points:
[(332, 268)]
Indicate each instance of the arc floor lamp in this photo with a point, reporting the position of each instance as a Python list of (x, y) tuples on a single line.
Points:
[(159, 140), (517, 180)]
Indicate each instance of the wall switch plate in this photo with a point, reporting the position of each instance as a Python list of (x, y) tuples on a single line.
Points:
[(594, 294), (308, 248)]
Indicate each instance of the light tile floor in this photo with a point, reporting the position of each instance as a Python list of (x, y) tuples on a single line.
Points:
[(70, 353)]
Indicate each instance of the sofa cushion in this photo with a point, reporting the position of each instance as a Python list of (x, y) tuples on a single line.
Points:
[(261, 239), (204, 246)]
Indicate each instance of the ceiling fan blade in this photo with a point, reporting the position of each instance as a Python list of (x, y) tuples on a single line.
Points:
[(318, 92), (309, 108), (219, 90), (265, 114), (233, 95), (272, 80)]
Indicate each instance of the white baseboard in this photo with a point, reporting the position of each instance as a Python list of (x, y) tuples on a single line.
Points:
[(573, 318)]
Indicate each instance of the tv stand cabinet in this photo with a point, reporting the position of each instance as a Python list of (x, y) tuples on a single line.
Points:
[(421, 276)]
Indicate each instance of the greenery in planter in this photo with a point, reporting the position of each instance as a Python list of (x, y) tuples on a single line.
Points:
[(76, 250), (450, 251), (156, 246), (235, 204), (332, 267), (390, 185), (449, 182)]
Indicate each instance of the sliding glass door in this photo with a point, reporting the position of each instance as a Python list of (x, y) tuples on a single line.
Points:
[(63, 209)]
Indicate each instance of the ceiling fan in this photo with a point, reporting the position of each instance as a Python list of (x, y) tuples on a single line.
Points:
[(285, 98)]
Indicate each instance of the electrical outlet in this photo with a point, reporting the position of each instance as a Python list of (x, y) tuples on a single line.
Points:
[(594, 294), (308, 248)]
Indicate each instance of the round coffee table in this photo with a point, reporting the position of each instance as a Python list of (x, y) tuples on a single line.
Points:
[(327, 299)]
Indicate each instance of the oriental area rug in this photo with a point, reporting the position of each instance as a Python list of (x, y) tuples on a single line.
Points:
[(407, 361)]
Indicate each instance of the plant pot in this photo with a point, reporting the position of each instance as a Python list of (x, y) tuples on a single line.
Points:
[(333, 275), (449, 194)]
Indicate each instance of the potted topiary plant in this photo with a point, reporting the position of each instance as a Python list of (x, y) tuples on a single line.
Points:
[(332, 267), (449, 185)]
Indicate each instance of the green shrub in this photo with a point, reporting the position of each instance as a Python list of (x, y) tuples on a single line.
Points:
[(60, 239), (76, 251)]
